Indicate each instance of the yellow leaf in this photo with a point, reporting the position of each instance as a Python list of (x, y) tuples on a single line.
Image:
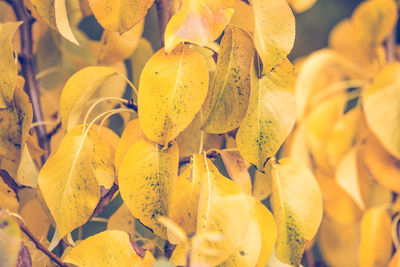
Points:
[(185, 198), (339, 243), (270, 116), (262, 187), (383, 167), (116, 47), (297, 205), (237, 170), (9, 73), (147, 177), (301, 5), (36, 219), (274, 31), (45, 8), (10, 240), (78, 90), (131, 134), (343, 135), (395, 261), (243, 16), (15, 121), (381, 105), (319, 126), (220, 203), (228, 98), (296, 146), (8, 198), (373, 21), (108, 248), (119, 16), (376, 239), (62, 22), (171, 91), (27, 172), (347, 177), (190, 138), (198, 21), (72, 177), (268, 231), (122, 220), (338, 205), (140, 56)]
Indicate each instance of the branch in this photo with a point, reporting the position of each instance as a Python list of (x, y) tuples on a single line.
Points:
[(28, 70), (39, 245), (105, 200), (164, 13), (212, 155)]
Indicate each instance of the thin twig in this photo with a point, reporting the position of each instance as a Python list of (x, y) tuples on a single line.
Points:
[(309, 256), (105, 200), (28, 70), (39, 245), (164, 13), (54, 130), (212, 155)]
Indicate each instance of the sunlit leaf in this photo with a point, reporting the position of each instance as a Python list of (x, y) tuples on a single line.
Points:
[(297, 205), (28, 171), (274, 31), (131, 134), (381, 105), (228, 98), (72, 177), (347, 177), (243, 16), (171, 91), (119, 16), (62, 21), (108, 248), (376, 240), (147, 177), (78, 90), (270, 116), (198, 21), (9, 72)]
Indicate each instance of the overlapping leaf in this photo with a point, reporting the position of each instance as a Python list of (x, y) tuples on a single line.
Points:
[(171, 91)]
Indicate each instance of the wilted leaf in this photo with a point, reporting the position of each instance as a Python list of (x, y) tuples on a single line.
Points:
[(8, 66), (381, 104), (297, 204), (71, 178), (45, 8), (119, 16), (10, 240), (228, 98), (36, 219), (108, 248), (270, 116), (376, 240), (198, 21), (171, 91), (147, 177), (274, 31)]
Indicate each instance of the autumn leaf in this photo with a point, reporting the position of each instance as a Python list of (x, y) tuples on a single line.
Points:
[(208, 17), (165, 111)]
